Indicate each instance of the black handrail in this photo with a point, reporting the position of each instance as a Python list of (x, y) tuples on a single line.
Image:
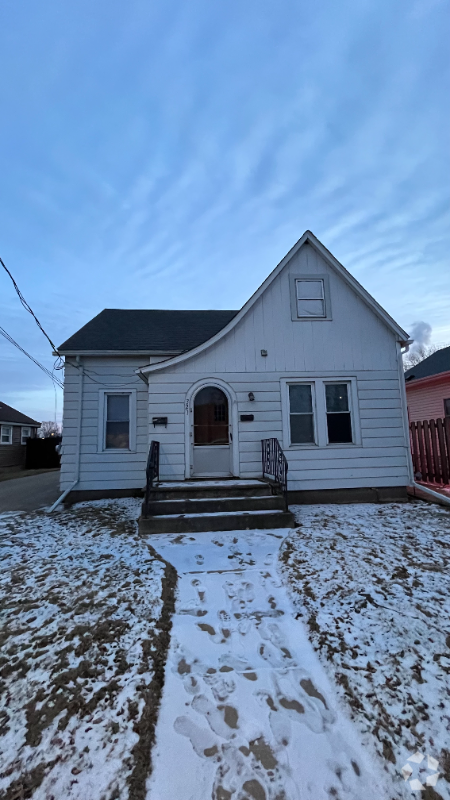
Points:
[(152, 470), (274, 464)]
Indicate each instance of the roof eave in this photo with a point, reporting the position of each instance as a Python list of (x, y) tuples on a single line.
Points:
[(146, 352)]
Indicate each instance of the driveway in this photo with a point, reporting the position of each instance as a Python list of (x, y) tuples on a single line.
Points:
[(248, 712), (29, 493)]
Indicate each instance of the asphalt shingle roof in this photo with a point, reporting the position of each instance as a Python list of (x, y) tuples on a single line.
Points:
[(8, 414), (433, 365), (147, 330)]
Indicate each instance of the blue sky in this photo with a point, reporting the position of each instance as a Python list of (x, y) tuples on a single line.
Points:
[(168, 155)]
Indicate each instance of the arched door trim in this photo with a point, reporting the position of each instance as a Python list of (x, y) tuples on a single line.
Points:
[(233, 419)]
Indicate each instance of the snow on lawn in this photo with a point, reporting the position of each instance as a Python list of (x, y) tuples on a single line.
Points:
[(80, 604), (372, 583)]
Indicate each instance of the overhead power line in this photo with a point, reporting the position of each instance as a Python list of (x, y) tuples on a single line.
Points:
[(47, 372), (27, 307)]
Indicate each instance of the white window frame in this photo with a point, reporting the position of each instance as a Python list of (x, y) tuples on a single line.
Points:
[(23, 438), (313, 401), (10, 434), (320, 412), (326, 296), (103, 394)]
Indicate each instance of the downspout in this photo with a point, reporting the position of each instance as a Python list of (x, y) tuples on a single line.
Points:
[(78, 450), (434, 495)]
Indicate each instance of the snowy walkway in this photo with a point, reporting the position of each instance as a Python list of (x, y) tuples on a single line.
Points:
[(247, 711)]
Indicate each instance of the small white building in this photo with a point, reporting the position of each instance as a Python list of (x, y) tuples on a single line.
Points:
[(311, 359)]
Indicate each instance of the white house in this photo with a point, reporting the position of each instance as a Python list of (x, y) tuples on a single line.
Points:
[(311, 359)]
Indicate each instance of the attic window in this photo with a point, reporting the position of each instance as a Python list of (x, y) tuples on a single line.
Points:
[(310, 297)]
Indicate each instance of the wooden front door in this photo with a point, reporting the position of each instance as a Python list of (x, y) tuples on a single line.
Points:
[(211, 434)]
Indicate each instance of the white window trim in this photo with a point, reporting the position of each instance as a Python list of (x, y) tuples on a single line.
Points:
[(101, 448), (26, 428), (10, 434), (327, 297), (320, 412)]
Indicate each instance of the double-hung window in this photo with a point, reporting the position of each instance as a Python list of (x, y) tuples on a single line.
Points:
[(339, 420), (320, 413), (6, 434), (310, 297), (26, 433), (301, 414), (117, 422)]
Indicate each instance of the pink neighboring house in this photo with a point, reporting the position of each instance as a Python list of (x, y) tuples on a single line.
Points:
[(428, 387)]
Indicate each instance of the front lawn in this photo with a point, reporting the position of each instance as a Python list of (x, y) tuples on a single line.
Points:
[(84, 632), (372, 583)]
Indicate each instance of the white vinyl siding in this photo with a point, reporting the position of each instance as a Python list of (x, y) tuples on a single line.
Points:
[(102, 469)]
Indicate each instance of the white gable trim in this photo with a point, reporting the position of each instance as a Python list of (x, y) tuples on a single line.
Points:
[(309, 237)]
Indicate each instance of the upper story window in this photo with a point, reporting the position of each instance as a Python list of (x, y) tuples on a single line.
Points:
[(310, 297), (26, 433), (6, 434)]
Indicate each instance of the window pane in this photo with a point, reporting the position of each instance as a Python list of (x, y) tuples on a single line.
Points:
[(302, 428), (6, 434), (310, 308), (447, 407), (117, 435), (117, 407), (309, 290), (337, 396), (300, 399), (339, 428)]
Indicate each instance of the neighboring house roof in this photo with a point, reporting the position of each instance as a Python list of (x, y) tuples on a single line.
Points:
[(307, 237), (13, 417), (146, 331), (433, 365)]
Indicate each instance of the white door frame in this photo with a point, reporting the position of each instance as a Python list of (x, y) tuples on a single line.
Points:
[(232, 421)]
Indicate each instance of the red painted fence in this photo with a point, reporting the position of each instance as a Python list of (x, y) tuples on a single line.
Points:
[(430, 448)]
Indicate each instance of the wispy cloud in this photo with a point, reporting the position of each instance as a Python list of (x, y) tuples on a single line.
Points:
[(168, 155)]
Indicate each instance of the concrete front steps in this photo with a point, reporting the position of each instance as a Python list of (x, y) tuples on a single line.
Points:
[(222, 505)]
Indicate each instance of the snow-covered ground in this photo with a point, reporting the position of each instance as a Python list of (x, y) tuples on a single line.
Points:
[(80, 600), (248, 712), (373, 585)]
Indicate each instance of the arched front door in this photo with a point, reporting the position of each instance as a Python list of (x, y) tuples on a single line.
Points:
[(211, 433)]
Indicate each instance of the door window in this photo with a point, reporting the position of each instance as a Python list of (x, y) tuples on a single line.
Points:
[(210, 417)]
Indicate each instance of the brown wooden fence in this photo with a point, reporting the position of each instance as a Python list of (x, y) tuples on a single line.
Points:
[(430, 447)]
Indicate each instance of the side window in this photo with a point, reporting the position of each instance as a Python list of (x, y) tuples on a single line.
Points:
[(26, 433), (301, 414), (117, 422), (447, 407), (339, 421), (6, 434)]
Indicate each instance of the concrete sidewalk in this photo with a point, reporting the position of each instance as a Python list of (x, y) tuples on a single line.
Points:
[(29, 493)]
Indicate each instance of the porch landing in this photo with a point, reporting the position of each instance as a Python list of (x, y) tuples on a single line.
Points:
[(213, 505)]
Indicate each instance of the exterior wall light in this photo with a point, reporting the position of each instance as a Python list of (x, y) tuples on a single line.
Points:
[(251, 396)]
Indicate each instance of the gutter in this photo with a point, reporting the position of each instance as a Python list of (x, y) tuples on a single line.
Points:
[(78, 453)]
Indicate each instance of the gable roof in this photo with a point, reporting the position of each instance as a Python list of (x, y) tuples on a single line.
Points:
[(433, 365), (146, 331), (9, 414), (309, 238)]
